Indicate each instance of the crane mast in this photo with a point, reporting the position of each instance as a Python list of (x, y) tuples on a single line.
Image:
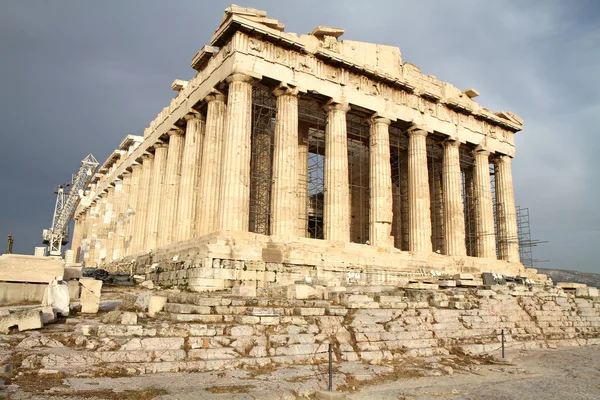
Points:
[(66, 204)]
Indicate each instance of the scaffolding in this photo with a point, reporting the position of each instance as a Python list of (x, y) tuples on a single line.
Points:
[(261, 160), (526, 244), (358, 176)]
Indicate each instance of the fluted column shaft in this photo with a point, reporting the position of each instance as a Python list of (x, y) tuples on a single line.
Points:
[(190, 169), (155, 195), (454, 211), (122, 215), (234, 207), (302, 168), (419, 214), (94, 213), (136, 175), (209, 185), (380, 184), (337, 191), (77, 236), (506, 211), (107, 232), (486, 239), (168, 210), (284, 212), (141, 208), (113, 219)]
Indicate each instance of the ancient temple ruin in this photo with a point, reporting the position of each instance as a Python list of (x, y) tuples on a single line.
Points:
[(293, 156)]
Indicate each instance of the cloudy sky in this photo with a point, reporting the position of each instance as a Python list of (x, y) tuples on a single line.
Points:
[(77, 76)]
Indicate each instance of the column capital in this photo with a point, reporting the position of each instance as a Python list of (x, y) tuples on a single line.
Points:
[(284, 89), (175, 132), (147, 156), (193, 115), (417, 132), (238, 77), (159, 145), (481, 152), (375, 119), (451, 142), (136, 166), (214, 95), (333, 105), (502, 159)]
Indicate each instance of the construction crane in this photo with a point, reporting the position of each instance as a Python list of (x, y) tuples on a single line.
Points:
[(66, 204)]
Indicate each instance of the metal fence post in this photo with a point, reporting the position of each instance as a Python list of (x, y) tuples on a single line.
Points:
[(502, 343), (330, 367)]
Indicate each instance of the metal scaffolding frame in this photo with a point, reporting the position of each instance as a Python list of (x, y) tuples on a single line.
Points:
[(261, 161), (435, 156), (399, 164), (311, 113), (358, 177)]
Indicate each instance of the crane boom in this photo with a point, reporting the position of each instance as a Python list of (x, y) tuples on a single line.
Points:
[(66, 204)]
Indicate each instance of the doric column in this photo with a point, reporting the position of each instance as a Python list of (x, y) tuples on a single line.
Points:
[(209, 185), (155, 195), (419, 214), (380, 184), (337, 191), (506, 212), (122, 215), (107, 232), (136, 174), (95, 223), (302, 168), (77, 236), (284, 212), (168, 209), (486, 239), (111, 219), (141, 208), (234, 206), (190, 169), (454, 212)]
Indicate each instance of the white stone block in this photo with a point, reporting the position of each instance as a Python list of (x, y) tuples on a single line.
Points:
[(156, 304), (90, 295), (23, 320), (129, 318)]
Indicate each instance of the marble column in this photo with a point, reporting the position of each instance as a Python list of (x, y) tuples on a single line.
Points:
[(122, 215), (155, 195), (380, 184), (168, 209), (209, 185), (95, 243), (107, 233), (190, 169), (454, 211), (337, 190), (141, 208), (284, 212), (419, 214), (234, 205), (112, 221), (302, 168), (506, 212), (136, 174), (486, 238), (77, 236)]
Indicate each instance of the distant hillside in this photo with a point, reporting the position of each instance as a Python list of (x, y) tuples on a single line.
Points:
[(561, 275)]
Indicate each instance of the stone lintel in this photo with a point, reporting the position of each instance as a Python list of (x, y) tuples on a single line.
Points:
[(322, 31), (178, 84), (471, 93), (129, 141), (202, 57)]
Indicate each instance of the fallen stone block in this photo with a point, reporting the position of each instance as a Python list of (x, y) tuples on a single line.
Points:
[(468, 283), (147, 284), (423, 286), (323, 395), (129, 318), (90, 295), (156, 304), (244, 291), (593, 292), (446, 283), (570, 285), (23, 320), (465, 277)]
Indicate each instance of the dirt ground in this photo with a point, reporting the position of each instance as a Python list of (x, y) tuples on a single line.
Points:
[(568, 373)]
